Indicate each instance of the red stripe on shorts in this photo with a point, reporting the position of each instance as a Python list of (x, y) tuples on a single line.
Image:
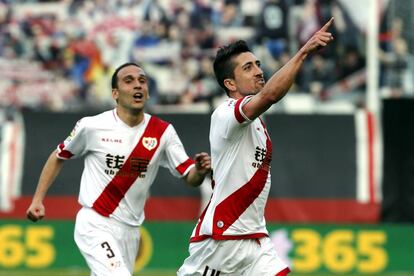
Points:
[(284, 272)]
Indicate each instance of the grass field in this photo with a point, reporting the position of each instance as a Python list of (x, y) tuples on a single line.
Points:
[(67, 272), (159, 273), (75, 272)]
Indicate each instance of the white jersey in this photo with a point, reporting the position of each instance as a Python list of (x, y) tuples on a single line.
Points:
[(121, 162), (241, 153)]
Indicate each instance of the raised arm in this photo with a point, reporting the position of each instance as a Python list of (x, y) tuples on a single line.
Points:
[(51, 169), (202, 167), (281, 81)]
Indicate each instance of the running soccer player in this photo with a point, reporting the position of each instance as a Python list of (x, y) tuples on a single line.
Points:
[(123, 149), (230, 237)]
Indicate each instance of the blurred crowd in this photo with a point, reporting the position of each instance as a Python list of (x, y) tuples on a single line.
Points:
[(59, 55)]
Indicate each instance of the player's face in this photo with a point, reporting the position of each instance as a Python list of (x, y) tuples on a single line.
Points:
[(132, 91), (248, 75)]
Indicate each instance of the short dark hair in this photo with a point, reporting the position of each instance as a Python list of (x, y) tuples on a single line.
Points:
[(114, 79), (223, 63)]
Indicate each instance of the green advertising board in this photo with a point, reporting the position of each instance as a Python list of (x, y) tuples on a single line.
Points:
[(335, 249)]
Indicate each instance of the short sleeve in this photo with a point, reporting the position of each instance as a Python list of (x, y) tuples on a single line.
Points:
[(176, 158), (238, 111), (229, 120), (74, 145)]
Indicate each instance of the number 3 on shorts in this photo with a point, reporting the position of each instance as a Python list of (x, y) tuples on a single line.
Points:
[(213, 272), (105, 245)]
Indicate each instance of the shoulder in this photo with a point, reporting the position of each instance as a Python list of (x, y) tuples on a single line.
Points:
[(158, 126), (228, 104), (231, 108), (226, 107), (156, 120), (98, 120)]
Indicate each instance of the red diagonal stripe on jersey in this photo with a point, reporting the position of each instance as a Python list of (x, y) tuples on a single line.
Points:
[(113, 193), (237, 114), (200, 221), (230, 209)]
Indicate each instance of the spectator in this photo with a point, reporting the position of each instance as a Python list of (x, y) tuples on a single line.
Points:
[(80, 45), (318, 74), (272, 26)]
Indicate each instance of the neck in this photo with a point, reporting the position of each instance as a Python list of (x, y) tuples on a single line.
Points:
[(130, 117), (236, 95)]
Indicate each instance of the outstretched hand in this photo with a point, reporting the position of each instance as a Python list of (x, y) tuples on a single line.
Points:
[(202, 163), (320, 39)]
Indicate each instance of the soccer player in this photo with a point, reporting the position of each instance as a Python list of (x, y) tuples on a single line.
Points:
[(230, 237), (123, 149)]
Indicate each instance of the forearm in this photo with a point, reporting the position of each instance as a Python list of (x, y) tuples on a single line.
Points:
[(202, 167), (281, 81), (194, 178), (49, 172), (276, 88)]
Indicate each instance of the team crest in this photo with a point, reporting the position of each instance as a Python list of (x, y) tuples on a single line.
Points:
[(149, 143)]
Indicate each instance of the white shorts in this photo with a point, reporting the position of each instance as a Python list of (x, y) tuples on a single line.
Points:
[(251, 257), (108, 246)]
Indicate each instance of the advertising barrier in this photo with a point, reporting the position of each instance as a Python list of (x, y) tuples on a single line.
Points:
[(336, 249), (318, 160)]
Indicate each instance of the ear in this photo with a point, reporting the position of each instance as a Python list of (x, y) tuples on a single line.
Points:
[(115, 94), (230, 84)]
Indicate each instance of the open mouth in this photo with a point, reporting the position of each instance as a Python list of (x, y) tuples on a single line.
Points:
[(138, 96)]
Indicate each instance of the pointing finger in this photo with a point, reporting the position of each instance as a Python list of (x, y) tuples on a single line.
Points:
[(327, 25)]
